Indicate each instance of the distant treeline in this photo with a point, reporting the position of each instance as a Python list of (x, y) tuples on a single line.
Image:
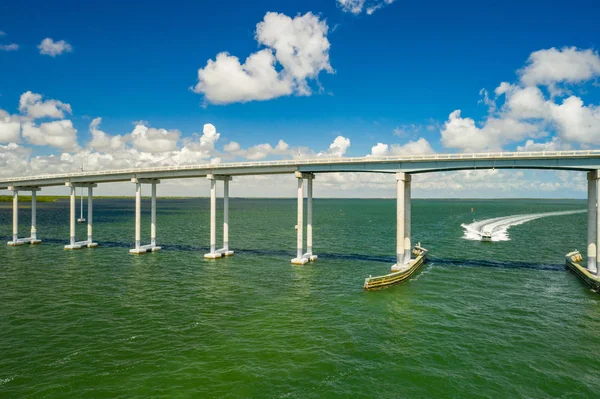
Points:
[(27, 198)]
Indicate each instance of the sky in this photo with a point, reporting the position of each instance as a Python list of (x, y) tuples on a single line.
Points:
[(109, 85)]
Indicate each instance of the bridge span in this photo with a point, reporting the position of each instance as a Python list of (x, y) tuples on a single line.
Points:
[(304, 170)]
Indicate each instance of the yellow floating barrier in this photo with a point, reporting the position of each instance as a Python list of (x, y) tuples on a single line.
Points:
[(572, 262), (379, 282)]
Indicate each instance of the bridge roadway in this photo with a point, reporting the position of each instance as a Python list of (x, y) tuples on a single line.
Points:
[(403, 166)]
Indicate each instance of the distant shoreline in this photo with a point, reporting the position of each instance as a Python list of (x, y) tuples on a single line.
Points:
[(55, 198)]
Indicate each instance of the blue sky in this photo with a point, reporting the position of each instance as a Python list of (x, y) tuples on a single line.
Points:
[(397, 74)]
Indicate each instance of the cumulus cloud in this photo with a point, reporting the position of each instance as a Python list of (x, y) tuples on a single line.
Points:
[(527, 112), (60, 134), (149, 139), (297, 50), (356, 7), (9, 47), (49, 47), (10, 128), (555, 144), (551, 66), (102, 141), (417, 147), (338, 148), (464, 134), (13, 159), (31, 105)]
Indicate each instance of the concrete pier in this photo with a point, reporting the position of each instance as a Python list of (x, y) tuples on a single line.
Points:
[(301, 257), (224, 251), (407, 218), (403, 198), (592, 203), (32, 239), (73, 243), (592, 221), (152, 247)]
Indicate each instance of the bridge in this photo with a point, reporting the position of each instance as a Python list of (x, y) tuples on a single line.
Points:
[(402, 166)]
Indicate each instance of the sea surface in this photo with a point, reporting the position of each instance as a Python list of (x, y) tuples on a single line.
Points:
[(480, 320)]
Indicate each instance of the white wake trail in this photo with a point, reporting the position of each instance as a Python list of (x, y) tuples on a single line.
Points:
[(498, 227)]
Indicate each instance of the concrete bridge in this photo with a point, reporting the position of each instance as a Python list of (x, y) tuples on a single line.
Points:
[(402, 166)]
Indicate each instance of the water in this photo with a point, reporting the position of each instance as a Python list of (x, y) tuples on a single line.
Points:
[(481, 320)]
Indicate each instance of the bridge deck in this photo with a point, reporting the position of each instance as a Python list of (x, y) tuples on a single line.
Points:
[(558, 160)]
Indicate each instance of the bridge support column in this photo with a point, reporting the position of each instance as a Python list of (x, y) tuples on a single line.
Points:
[(592, 222), (225, 251), (407, 218), (15, 224), (90, 213), (592, 203), (402, 238), (73, 244), (32, 239), (309, 217), (301, 257), (152, 247)]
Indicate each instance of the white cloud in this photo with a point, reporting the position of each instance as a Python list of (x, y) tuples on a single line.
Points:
[(575, 121), (2, 33), (462, 133), (14, 159), (527, 113), (380, 150), (9, 47), (261, 151), (32, 106), (338, 148), (299, 46), (10, 128), (356, 7), (59, 134), (553, 145), (418, 147), (551, 66), (102, 141), (49, 47), (153, 140)]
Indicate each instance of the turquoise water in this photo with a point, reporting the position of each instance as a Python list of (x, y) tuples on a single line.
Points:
[(495, 320)]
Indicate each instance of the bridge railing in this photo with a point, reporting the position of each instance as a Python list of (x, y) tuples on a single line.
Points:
[(318, 161)]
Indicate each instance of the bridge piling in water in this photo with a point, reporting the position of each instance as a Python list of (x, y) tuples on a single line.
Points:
[(152, 247), (73, 243), (592, 178), (32, 239), (301, 257), (225, 251), (403, 210)]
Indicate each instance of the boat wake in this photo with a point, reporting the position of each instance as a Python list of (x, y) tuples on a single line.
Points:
[(498, 227)]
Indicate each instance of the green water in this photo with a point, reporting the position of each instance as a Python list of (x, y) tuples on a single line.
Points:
[(480, 320)]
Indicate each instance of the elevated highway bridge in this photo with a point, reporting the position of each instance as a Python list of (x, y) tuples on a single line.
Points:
[(403, 166)]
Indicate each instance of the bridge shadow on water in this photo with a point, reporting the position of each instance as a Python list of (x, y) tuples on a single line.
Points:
[(345, 257)]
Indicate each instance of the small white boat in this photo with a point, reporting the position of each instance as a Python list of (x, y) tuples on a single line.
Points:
[(486, 236)]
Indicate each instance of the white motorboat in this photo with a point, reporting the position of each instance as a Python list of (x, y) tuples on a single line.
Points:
[(486, 236)]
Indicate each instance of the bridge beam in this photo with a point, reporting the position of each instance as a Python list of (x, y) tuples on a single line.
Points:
[(152, 247), (225, 251), (32, 239)]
